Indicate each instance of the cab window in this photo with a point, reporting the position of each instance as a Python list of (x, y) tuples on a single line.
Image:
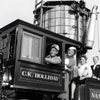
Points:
[(31, 47), (3, 42)]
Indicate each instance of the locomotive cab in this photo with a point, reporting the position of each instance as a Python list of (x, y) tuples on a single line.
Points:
[(24, 47)]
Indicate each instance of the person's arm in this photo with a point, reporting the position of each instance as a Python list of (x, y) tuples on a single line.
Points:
[(87, 72), (54, 60), (80, 70), (68, 69), (97, 72)]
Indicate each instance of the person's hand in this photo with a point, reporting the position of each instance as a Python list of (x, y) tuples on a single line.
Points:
[(99, 79), (94, 77), (81, 78), (68, 69)]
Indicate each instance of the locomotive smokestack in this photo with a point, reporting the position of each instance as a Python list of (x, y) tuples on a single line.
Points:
[(91, 28)]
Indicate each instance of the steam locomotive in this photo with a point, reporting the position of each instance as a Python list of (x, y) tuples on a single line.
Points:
[(24, 75)]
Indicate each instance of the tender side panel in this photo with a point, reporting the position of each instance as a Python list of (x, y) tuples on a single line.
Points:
[(37, 77)]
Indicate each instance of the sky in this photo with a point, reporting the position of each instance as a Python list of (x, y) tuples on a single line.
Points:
[(11, 10)]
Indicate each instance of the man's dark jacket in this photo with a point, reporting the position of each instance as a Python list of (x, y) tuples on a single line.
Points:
[(96, 71)]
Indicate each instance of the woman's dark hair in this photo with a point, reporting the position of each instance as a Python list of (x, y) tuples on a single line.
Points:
[(84, 56)]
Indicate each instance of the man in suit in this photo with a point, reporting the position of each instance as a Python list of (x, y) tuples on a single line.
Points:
[(96, 67)]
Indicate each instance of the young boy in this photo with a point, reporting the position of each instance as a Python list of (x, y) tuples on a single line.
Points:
[(53, 57)]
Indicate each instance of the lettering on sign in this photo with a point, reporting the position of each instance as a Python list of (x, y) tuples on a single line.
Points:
[(45, 76), (34, 74), (94, 94)]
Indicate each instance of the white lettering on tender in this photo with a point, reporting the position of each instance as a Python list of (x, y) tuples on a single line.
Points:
[(45, 76), (27, 74), (38, 75), (95, 94)]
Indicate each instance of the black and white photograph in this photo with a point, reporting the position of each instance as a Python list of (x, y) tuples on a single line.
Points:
[(49, 50)]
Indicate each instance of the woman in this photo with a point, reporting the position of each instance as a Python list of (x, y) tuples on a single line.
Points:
[(69, 71), (84, 71)]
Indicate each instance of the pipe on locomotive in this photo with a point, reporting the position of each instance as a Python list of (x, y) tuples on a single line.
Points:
[(91, 28)]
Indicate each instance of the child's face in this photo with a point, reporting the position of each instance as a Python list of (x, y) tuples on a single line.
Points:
[(70, 52), (53, 52)]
